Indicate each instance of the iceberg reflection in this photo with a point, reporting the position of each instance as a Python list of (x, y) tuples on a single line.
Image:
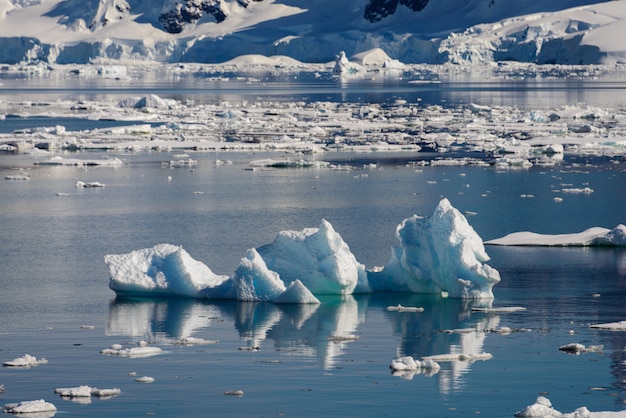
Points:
[(325, 332)]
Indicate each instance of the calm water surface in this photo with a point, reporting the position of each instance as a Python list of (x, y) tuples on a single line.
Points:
[(53, 281)]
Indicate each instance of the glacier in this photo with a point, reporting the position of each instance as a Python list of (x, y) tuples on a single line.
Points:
[(440, 254)]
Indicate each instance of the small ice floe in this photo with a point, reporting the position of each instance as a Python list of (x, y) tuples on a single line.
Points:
[(459, 357), (577, 348), (502, 309), (194, 341), (133, 352), (583, 190), (543, 408), (408, 363), (86, 392), (31, 407), (144, 379), (25, 361), (611, 326), (183, 163), (86, 185), (400, 308), (17, 178), (60, 161), (234, 393), (87, 327)]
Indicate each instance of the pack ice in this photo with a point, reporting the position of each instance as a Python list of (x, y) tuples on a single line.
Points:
[(437, 254)]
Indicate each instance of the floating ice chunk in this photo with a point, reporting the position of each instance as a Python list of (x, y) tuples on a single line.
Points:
[(577, 348), (541, 408), (30, 407), (25, 361), (499, 309), (112, 162), (611, 326), (133, 352), (82, 184), (595, 236), (441, 253), (17, 178), (409, 363), (319, 258), (86, 392), (400, 308), (573, 190), (145, 379), (161, 270), (234, 393)]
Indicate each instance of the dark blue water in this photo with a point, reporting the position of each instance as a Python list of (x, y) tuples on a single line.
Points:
[(53, 278)]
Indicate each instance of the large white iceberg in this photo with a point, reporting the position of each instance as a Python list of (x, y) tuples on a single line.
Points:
[(437, 254)]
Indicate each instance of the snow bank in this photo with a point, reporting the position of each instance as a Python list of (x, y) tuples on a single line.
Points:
[(439, 254), (595, 236)]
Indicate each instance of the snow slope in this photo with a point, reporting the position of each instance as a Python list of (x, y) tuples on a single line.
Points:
[(211, 31)]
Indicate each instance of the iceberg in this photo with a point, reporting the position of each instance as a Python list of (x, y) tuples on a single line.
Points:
[(164, 269), (438, 254), (441, 254)]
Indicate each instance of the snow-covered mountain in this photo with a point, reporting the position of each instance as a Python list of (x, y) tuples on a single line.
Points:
[(210, 31)]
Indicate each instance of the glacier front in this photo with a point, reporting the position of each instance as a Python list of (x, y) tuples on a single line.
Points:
[(440, 254)]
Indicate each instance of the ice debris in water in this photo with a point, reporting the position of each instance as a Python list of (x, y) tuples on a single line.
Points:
[(134, 352), (543, 408), (30, 408), (25, 361), (400, 308), (86, 392), (577, 348), (611, 326), (409, 363), (440, 254)]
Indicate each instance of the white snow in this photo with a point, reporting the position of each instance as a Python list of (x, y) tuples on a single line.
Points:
[(459, 31), (315, 261), (596, 236)]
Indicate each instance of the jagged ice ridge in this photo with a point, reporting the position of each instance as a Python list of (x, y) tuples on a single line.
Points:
[(440, 254)]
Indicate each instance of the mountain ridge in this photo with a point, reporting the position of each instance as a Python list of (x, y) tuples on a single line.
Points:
[(212, 31)]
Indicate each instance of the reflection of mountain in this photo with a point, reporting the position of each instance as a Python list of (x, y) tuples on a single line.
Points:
[(323, 331)]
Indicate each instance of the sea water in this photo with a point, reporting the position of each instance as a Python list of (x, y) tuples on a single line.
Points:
[(326, 360), (285, 359)]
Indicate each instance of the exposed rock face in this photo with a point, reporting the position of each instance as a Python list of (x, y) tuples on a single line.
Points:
[(377, 10), (187, 12)]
